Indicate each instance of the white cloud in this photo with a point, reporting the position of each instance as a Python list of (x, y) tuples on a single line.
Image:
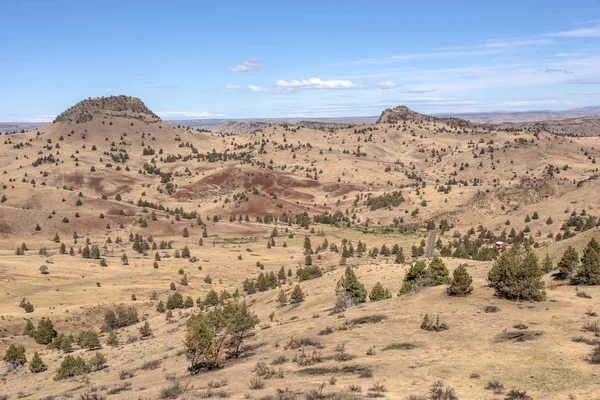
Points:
[(570, 54), (583, 32), (234, 88), (257, 89), (421, 89), (42, 118), (163, 87), (584, 81), (251, 64), (557, 71), (314, 83), (187, 114), (387, 85)]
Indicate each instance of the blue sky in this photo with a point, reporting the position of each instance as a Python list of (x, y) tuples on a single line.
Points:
[(238, 59)]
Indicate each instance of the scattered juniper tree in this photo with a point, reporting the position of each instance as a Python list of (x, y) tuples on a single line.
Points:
[(438, 271), (297, 295), (568, 264), (282, 298), (15, 356), (461, 284), (354, 289), (588, 273), (37, 365), (379, 293), (547, 265), (517, 275)]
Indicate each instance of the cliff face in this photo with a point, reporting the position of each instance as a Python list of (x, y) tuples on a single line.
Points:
[(116, 106)]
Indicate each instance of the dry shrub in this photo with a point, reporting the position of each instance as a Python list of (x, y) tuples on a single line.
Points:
[(518, 336), (262, 370), (400, 346)]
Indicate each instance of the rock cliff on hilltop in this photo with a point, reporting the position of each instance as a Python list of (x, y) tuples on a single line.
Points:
[(400, 113), (114, 106), (403, 113)]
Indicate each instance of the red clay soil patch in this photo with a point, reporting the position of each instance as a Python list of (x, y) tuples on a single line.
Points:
[(5, 228), (340, 189), (281, 184), (110, 184)]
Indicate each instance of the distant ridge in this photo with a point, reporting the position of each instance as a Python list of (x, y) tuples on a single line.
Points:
[(526, 116), (115, 106)]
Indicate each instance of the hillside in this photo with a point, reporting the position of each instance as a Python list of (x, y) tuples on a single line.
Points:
[(262, 208)]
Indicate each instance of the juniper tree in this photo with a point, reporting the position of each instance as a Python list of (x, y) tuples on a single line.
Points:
[(29, 328), (45, 331), (112, 339), (37, 365), (221, 332), (282, 298), (379, 293), (354, 289), (71, 366), (461, 284), (588, 272), (547, 264), (415, 278), (438, 271), (145, 330), (28, 307), (517, 275), (175, 301), (15, 356), (400, 259), (297, 295), (212, 298), (568, 264), (89, 340)]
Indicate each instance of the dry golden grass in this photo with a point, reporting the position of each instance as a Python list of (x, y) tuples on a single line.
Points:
[(550, 366)]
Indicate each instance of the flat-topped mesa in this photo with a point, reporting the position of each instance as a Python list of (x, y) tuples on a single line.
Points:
[(111, 106)]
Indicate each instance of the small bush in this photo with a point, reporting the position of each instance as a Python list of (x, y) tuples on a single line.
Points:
[(149, 365), (171, 392), (516, 394), (491, 309), (279, 360), (582, 294), (429, 324), (495, 386), (518, 336), (592, 326), (594, 356), (327, 331), (590, 342), (439, 391), (400, 346), (125, 374), (369, 319), (118, 389), (256, 384), (91, 396)]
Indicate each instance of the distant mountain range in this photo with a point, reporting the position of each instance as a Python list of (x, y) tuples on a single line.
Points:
[(526, 116), (483, 117)]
